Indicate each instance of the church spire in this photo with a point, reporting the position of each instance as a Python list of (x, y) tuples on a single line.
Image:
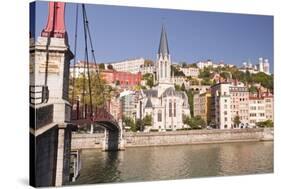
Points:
[(163, 46)]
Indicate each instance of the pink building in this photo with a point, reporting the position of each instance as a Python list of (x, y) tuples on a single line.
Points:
[(124, 79)]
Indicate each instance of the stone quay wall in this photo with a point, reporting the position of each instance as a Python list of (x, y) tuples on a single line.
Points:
[(87, 141)]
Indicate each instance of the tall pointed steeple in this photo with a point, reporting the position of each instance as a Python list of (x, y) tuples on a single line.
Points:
[(163, 63), (163, 46)]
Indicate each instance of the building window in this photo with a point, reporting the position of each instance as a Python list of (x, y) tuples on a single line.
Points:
[(159, 117), (170, 109)]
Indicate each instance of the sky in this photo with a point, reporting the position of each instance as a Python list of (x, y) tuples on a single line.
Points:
[(121, 33)]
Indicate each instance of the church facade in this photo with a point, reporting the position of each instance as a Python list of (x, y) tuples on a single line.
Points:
[(165, 105)]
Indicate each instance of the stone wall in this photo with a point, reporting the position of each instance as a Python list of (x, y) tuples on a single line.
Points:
[(83, 141), (43, 157)]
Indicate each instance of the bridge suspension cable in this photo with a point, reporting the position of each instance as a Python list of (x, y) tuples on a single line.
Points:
[(87, 107)]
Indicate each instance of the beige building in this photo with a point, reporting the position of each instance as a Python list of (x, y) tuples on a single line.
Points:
[(261, 108), (202, 106), (256, 110), (269, 106)]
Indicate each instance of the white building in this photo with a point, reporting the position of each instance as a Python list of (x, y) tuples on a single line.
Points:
[(128, 104), (145, 69), (191, 71), (81, 68), (163, 102), (203, 64), (220, 105), (132, 65)]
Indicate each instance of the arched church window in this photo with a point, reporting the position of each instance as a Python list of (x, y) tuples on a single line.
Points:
[(159, 116), (170, 108)]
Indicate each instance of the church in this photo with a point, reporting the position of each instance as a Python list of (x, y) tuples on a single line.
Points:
[(165, 105)]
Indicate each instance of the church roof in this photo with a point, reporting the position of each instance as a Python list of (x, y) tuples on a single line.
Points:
[(150, 93), (169, 92), (172, 92), (148, 103), (163, 46)]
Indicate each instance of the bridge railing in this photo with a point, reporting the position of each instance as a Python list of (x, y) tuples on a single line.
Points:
[(80, 112)]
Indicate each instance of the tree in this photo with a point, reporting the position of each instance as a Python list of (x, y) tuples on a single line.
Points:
[(237, 120), (206, 81), (253, 89), (190, 95), (177, 87), (147, 120), (176, 72), (129, 122), (101, 66), (148, 62), (205, 73), (148, 77), (194, 82), (194, 122), (225, 75), (98, 85), (139, 125), (194, 65), (267, 123), (110, 67), (183, 87)]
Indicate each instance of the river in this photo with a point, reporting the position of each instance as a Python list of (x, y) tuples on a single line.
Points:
[(175, 162)]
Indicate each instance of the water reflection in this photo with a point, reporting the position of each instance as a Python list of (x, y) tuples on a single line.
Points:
[(175, 162)]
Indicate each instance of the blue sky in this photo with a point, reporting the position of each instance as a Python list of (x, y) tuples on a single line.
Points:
[(128, 32)]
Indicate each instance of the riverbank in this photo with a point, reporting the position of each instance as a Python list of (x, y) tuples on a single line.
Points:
[(92, 141)]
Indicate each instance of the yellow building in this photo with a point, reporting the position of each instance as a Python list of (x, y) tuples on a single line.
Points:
[(202, 106)]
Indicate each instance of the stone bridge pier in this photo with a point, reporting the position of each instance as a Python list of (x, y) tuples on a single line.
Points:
[(113, 139)]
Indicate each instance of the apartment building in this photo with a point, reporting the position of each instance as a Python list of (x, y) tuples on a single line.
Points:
[(239, 105)]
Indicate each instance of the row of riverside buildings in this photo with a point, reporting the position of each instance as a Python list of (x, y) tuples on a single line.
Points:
[(220, 105), (229, 101)]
